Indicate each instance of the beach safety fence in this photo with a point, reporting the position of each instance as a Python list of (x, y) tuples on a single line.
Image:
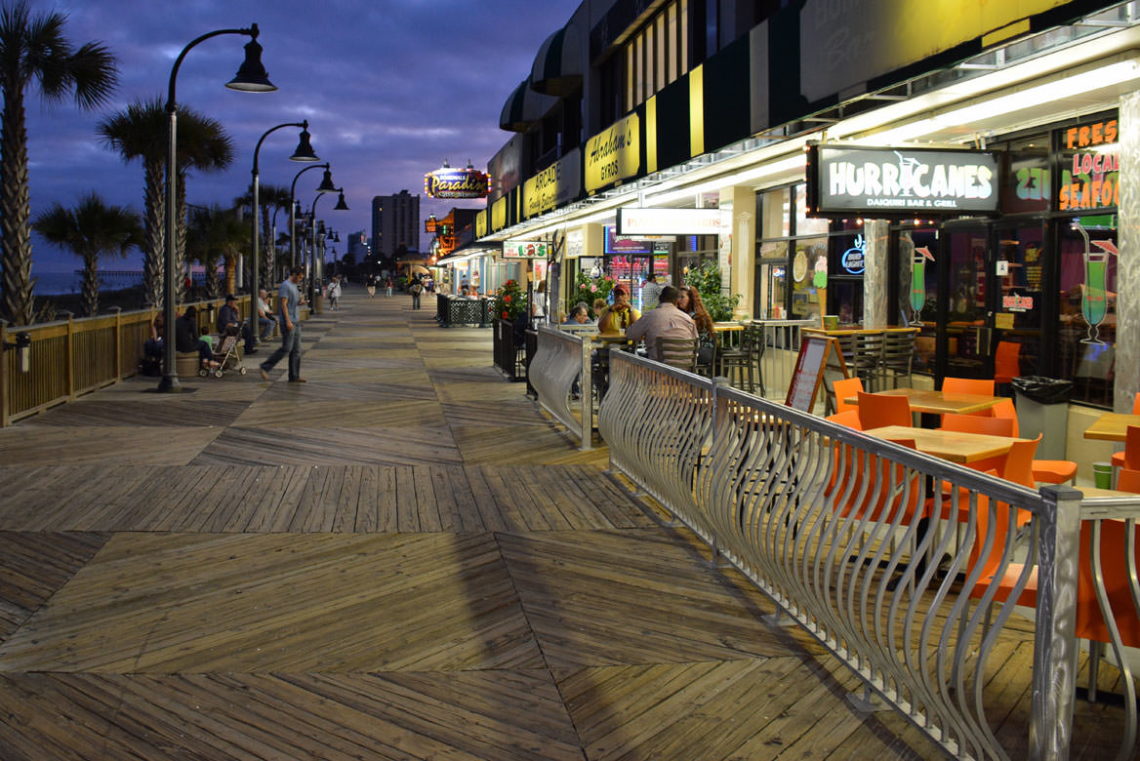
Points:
[(902, 565)]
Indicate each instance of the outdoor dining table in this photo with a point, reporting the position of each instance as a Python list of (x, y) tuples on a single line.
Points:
[(955, 446), (1112, 426), (939, 402)]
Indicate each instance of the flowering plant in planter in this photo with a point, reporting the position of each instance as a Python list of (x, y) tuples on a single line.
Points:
[(589, 289), (510, 300)]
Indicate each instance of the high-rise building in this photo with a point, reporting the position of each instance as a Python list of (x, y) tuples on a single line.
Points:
[(395, 223), (358, 245)]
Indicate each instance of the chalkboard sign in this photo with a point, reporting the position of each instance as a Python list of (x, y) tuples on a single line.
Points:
[(810, 365)]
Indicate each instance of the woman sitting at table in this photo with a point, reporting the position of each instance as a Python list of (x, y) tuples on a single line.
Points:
[(690, 303), (619, 315)]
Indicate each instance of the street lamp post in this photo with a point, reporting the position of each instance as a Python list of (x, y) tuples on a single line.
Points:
[(326, 186), (304, 152), (340, 206), (251, 77)]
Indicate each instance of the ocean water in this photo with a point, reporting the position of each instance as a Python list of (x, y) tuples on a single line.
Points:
[(59, 283)]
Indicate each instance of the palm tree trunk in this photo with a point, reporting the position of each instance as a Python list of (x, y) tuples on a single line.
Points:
[(15, 209), (180, 241), (211, 266), (231, 273), (90, 284), (155, 233)]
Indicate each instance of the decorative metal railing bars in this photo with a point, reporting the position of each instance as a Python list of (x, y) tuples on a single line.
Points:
[(836, 526), (560, 359)]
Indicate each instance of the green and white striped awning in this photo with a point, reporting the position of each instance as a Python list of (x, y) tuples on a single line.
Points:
[(524, 107), (558, 67)]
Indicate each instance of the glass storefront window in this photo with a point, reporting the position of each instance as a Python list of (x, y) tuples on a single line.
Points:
[(1088, 267), (918, 292), (810, 256), (773, 280), (776, 211), (808, 225)]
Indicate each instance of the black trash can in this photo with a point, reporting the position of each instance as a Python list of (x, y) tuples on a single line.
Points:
[(1043, 408)]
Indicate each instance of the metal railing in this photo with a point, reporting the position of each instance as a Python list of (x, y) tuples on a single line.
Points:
[(781, 341), (1108, 603), (75, 356), (561, 358), (894, 561)]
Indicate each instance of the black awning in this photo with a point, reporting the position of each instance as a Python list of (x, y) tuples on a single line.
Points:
[(558, 67), (524, 107)]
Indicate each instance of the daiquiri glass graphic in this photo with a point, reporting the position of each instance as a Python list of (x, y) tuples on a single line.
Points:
[(918, 282), (1094, 296)]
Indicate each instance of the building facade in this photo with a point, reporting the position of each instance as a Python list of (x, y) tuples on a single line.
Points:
[(961, 167), (395, 224)]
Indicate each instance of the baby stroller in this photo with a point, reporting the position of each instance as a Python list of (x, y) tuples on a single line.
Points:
[(226, 355)]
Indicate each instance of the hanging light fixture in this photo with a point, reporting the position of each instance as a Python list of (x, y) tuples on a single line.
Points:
[(252, 76), (340, 204), (327, 185), (304, 150)]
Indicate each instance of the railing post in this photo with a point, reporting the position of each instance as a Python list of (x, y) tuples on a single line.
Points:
[(118, 343), (4, 381), (586, 391), (1055, 641), (70, 356)]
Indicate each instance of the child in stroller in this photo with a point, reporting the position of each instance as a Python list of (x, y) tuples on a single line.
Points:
[(226, 354)]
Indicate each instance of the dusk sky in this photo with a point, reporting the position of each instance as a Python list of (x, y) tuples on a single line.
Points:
[(390, 89)]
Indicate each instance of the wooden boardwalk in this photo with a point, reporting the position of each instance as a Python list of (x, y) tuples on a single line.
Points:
[(400, 559)]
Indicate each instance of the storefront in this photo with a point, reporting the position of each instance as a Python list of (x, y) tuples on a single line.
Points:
[(1016, 275)]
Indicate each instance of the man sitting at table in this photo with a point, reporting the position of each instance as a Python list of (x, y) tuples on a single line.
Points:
[(617, 317), (666, 321)]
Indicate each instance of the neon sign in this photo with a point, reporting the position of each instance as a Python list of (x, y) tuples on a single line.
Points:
[(854, 258)]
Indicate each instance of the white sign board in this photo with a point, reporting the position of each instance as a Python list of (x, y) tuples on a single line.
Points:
[(671, 222)]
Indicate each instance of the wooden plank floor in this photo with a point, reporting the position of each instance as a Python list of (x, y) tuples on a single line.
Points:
[(400, 559)]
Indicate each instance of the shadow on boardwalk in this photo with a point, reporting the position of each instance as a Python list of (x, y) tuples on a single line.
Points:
[(400, 559)]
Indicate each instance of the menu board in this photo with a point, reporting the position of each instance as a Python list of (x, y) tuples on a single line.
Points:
[(810, 366)]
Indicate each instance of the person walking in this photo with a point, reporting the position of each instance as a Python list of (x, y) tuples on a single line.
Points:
[(288, 302), (416, 289), (334, 293), (388, 286), (371, 286)]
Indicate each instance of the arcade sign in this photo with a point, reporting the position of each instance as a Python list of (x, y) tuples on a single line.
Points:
[(448, 182), (885, 182)]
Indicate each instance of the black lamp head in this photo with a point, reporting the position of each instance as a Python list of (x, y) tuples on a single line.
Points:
[(327, 185), (340, 204), (304, 150), (252, 76)]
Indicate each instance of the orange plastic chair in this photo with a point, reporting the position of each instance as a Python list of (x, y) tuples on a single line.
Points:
[(1122, 459), (1007, 361), (1005, 409), (879, 410), (979, 386), (845, 388), (1054, 471), (1128, 480), (992, 426), (849, 418)]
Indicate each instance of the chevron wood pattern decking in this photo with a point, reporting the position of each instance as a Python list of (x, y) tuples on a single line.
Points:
[(400, 559)]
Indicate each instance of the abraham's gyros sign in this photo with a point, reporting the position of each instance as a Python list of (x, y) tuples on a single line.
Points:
[(901, 181)]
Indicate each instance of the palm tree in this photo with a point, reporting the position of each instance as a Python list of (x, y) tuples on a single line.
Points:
[(91, 230), (212, 233), (141, 132), (34, 48), (207, 148)]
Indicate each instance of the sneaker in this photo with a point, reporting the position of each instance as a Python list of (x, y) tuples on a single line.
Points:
[(298, 380), (264, 375)]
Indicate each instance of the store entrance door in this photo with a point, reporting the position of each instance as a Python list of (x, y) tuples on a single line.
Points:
[(966, 325)]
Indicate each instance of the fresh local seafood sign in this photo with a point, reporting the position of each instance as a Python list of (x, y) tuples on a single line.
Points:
[(904, 181)]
